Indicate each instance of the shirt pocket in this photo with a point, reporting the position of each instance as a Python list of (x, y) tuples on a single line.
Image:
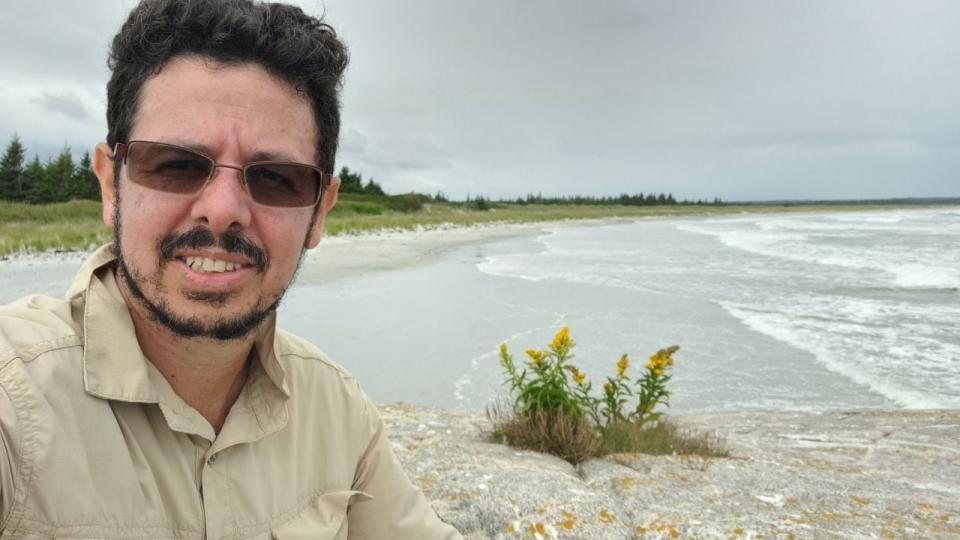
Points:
[(323, 519)]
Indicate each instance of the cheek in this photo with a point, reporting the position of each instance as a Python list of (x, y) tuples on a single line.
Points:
[(143, 222)]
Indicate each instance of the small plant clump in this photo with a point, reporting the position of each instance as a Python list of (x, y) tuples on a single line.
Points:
[(555, 410)]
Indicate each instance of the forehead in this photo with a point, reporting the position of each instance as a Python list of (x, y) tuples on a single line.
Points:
[(226, 107)]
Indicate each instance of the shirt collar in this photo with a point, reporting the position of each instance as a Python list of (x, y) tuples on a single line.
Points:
[(114, 365)]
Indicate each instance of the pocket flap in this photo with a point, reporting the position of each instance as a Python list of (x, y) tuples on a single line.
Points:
[(322, 518)]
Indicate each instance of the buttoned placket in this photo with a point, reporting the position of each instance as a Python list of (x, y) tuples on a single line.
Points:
[(213, 497), (242, 426)]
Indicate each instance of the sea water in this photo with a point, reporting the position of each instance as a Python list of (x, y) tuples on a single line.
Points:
[(866, 303)]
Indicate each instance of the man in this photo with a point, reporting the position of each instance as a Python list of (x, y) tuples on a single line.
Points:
[(158, 400)]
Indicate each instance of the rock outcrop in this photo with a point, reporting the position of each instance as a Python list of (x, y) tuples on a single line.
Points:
[(790, 475)]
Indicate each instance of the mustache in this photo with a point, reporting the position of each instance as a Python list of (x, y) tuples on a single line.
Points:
[(231, 241)]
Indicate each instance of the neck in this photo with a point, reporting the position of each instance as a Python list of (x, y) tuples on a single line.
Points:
[(207, 374)]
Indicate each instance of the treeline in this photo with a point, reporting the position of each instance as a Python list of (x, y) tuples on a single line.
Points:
[(624, 199), (59, 179)]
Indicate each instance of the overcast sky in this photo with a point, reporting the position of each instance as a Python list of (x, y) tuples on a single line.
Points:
[(743, 100)]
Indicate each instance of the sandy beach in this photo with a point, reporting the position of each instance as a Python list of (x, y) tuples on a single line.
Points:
[(350, 255)]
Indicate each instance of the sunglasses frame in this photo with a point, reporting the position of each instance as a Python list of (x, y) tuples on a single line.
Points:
[(121, 150)]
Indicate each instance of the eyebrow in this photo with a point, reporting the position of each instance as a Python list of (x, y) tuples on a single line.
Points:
[(259, 155)]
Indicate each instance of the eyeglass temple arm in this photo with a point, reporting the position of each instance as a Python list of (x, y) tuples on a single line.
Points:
[(119, 152)]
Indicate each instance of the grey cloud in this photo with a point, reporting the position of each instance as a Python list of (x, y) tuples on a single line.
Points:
[(747, 99), (67, 105), (352, 140)]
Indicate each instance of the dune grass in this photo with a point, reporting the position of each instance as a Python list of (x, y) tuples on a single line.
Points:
[(77, 225), (73, 225)]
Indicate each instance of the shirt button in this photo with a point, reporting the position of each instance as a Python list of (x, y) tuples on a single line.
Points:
[(212, 459)]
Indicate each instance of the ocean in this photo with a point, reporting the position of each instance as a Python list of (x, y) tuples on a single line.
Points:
[(869, 299)]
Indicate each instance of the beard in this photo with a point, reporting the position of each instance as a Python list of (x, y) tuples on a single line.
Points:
[(191, 326)]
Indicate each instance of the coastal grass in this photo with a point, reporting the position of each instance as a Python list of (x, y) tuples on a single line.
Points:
[(77, 225), (356, 217), (664, 437), (68, 226)]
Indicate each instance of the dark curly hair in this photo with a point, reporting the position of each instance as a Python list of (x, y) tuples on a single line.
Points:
[(289, 44)]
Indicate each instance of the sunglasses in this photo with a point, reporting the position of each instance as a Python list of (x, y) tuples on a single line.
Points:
[(175, 169)]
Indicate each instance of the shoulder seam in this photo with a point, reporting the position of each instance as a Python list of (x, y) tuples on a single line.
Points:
[(36, 350), (343, 373)]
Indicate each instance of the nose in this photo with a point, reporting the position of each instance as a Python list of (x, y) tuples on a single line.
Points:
[(224, 202)]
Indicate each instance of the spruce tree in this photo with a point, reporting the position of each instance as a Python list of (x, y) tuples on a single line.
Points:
[(85, 184), (33, 180), (373, 188), (59, 178), (350, 182), (11, 170)]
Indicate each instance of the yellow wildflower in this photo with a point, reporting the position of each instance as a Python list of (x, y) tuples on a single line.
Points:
[(503, 349), (608, 388), (578, 376), (562, 339), (622, 366), (537, 357)]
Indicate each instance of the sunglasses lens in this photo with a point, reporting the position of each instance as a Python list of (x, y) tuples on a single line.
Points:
[(167, 168), (283, 184)]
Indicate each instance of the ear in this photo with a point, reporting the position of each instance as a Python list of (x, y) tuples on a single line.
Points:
[(327, 201), (103, 167)]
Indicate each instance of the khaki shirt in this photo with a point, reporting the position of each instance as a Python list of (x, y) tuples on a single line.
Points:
[(94, 443)]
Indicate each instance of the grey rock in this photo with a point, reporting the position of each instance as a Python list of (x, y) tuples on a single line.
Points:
[(882, 474)]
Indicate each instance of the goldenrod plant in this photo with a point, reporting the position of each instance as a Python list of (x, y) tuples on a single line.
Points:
[(544, 386), (554, 409), (653, 386)]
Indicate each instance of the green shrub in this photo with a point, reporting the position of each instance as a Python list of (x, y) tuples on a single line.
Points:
[(410, 202)]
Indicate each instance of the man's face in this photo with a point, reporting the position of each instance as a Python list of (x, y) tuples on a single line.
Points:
[(236, 114)]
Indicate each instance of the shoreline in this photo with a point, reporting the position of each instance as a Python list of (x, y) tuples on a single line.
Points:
[(491, 227), (349, 255)]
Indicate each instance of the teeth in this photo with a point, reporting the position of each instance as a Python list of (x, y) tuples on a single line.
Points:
[(204, 264)]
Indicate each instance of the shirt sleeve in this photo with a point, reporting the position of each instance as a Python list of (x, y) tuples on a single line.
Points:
[(398, 510)]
